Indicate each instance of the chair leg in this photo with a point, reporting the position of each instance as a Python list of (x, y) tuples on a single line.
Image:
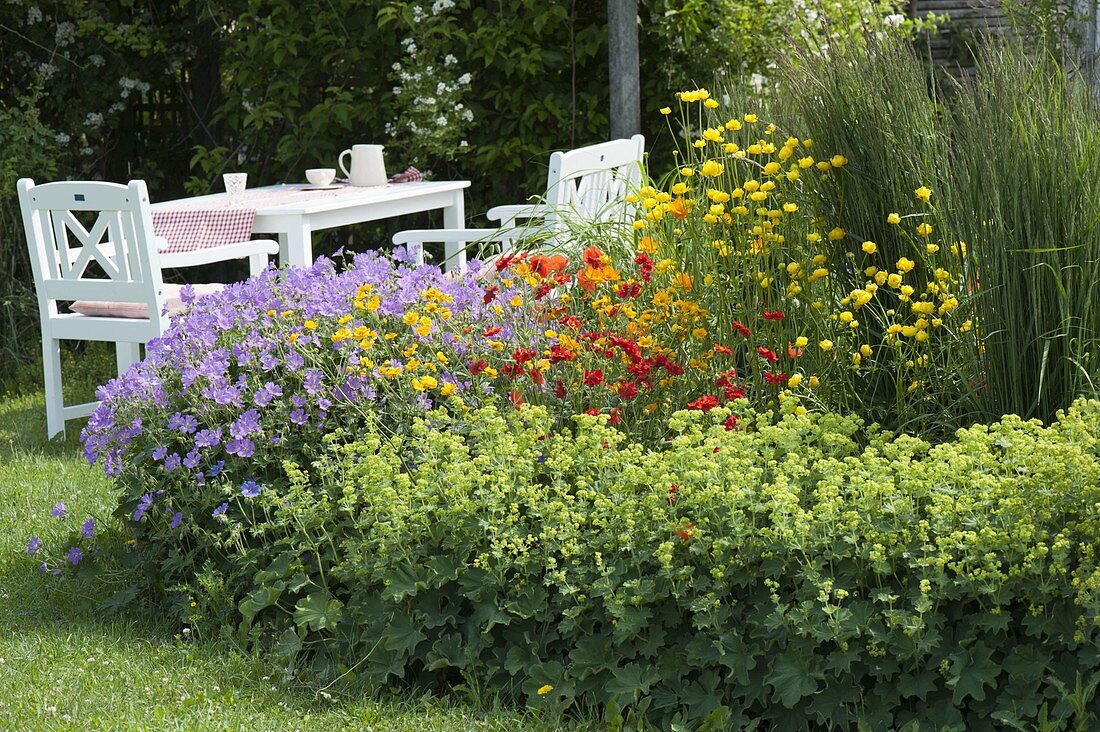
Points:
[(55, 401), (125, 355), (257, 263)]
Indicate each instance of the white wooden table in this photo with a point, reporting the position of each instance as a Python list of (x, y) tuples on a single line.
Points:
[(293, 213)]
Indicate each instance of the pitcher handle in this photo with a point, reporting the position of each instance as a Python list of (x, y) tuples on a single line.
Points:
[(340, 160)]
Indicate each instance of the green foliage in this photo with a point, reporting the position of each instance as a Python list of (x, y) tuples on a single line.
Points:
[(1028, 204), (1002, 154), (804, 571)]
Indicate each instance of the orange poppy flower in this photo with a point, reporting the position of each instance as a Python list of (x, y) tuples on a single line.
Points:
[(678, 208)]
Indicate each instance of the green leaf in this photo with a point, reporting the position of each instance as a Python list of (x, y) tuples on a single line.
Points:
[(972, 672), (260, 598), (632, 680), (792, 679), (401, 636), (319, 611)]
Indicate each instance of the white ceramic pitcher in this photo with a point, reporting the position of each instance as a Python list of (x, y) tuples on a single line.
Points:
[(367, 165)]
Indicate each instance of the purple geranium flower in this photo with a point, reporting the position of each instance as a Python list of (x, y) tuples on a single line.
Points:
[(75, 555), (220, 510), (250, 489), (59, 510), (177, 519), (143, 505), (34, 544), (88, 529)]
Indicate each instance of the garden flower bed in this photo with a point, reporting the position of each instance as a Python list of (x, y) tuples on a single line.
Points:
[(618, 477)]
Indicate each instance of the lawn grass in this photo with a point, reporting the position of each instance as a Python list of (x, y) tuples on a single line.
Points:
[(66, 667)]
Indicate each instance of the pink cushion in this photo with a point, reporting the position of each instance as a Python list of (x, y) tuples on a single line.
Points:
[(138, 310)]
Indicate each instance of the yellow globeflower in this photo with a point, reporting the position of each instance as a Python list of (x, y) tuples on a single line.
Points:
[(893, 218), (826, 345), (711, 104), (806, 162), (310, 325), (801, 341), (905, 264), (666, 110), (794, 381), (687, 172), (894, 280), (932, 248), (712, 169), (924, 193), (447, 390), (924, 229), (751, 118), (838, 161), (869, 247), (836, 234), (814, 382), (545, 689), (680, 188)]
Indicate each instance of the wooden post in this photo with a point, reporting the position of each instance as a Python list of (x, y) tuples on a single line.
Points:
[(622, 47)]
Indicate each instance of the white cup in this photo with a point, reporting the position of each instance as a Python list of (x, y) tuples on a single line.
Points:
[(321, 177), (234, 186), (368, 168)]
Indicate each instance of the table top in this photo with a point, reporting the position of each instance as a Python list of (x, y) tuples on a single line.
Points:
[(303, 199)]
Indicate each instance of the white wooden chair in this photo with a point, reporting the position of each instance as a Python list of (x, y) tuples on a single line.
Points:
[(126, 304), (586, 185)]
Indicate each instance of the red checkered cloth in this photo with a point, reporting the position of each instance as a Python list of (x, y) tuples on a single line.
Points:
[(408, 175), (195, 229)]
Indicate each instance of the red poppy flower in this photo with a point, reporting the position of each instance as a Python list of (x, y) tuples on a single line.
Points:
[(490, 332), (740, 328), (523, 355), (672, 491), (593, 257), (704, 403), (537, 377), (478, 366), (542, 291), (592, 412), (730, 423), (616, 416), (546, 265), (686, 532), (628, 390), (571, 321), (773, 315), (593, 377), (793, 352), (559, 389), (775, 379), (733, 393), (723, 350), (516, 397), (678, 208), (502, 263), (645, 266), (490, 294), (559, 354), (767, 354)]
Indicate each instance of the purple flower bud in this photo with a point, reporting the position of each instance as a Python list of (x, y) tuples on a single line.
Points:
[(33, 544), (75, 555), (59, 510), (88, 529), (177, 519)]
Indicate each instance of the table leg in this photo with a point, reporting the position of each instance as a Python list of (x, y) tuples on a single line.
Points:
[(454, 217), (296, 245)]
